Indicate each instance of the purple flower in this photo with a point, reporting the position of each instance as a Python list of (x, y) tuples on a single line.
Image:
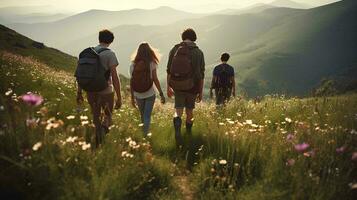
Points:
[(301, 147), (290, 137), (32, 99), (354, 156), (341, 149)]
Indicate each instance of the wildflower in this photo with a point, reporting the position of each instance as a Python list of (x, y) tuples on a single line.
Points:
[(37, 146), (214, 161), (141, 125), (123, 153), (149, 134), (290, 137), (83, 117), (301, 147), (9, 92), (221, 123), (32, 99), (71, 139), (222, 162), (52, 123), (288, 120), (85, 146), (2, 108), (70, 117), (32, 123), (353, 186), (354, 156), (353, 132), (310, 153), (85, 123), (249, 122), (341, 149), (290, 162), (43, 111)]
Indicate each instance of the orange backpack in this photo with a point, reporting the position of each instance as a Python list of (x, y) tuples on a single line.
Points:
[(141, 80)]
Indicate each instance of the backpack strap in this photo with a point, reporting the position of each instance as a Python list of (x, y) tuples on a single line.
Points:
[(102, 50)]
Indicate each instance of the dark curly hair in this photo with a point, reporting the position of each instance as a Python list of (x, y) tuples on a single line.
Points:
[(189, 34), (106, 36), (225, 57)]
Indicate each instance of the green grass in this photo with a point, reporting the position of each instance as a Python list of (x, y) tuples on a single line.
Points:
[(226, 157)]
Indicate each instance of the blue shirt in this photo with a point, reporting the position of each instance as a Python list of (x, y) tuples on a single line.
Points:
[(223, 67)]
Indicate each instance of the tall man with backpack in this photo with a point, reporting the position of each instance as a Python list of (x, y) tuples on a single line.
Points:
[(96, 74), (223, 81), (185, 77)]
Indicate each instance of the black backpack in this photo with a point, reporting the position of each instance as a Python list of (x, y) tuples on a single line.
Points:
[(223, 79), (90, 74)]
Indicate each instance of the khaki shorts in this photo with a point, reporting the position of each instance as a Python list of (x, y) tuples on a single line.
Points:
[(185, 100)]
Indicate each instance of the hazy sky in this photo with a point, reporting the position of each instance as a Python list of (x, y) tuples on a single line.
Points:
[(189, 5)]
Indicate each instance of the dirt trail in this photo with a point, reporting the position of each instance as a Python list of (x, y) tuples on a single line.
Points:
[(184, 186)]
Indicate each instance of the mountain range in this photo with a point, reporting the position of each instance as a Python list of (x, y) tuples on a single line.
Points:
[(274, 50)]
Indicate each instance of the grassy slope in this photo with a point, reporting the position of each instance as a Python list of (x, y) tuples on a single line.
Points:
[(256, 153), (62, 170), (18, 44)]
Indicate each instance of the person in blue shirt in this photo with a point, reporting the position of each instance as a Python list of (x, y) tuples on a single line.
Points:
[(223, 81)]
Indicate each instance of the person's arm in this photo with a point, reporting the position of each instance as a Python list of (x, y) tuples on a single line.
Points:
[(158, 86), (116, 84), (170, 91), (233, 86), (214, 78), (133, 102), (201, 83)]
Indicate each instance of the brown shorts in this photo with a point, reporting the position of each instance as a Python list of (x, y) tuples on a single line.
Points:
[(98, 103), (185, 100)]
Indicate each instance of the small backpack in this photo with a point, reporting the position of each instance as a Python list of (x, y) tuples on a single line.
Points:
[(223, 79), (91, 76), (181, 70), (141, 79)]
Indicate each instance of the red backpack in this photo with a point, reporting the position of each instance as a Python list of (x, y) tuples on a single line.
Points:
[(181, 71), (141, 80)]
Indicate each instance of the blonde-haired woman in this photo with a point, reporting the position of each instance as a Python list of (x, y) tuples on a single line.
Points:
[(143, 73)]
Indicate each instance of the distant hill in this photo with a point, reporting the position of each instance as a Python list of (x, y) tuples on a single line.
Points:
[(278, 50), (87, 23), (16, 43), (31, 14), (289, 4), (296, 55), (256, 8)]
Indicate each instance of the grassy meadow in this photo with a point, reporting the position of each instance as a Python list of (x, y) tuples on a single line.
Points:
[(276, 148)]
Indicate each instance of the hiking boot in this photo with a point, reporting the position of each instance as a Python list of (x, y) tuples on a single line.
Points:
[(98, 136), (189, 127), (177, 125), (105, 129)]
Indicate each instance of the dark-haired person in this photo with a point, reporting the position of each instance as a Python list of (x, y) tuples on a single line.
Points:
[(145, 60), (104, 100), (193, 83), (223, 81)]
